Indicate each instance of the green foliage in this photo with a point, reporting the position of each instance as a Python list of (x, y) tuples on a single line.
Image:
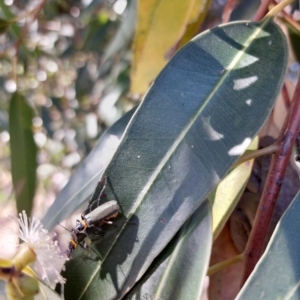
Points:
[(23, 152), (161, 177), (65, 71)]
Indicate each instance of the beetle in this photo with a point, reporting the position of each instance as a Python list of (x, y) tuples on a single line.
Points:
[(91, 224), (92, 221)]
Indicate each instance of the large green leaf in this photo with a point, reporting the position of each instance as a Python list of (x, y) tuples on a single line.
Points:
[(277, 273), (23, 152), (84, 180), (197, 118), (178, 272)]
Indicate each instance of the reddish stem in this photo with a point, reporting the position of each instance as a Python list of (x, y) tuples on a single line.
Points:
[(262, 10), (285, 96), (230, 5), (271, 190)]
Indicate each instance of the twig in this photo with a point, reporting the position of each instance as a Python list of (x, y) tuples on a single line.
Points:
[(230, 6), (262, 10), (271, 190), (35, 12), (285, 96), (278, 8), (290, 20), (224, 264), (256, 153), (26, 27), (25, 15)]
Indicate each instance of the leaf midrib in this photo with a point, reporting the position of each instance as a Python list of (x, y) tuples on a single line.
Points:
[(177, 142)]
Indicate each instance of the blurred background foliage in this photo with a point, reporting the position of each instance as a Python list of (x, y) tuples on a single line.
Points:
[(62, 57), (75, 67), (67, 66)]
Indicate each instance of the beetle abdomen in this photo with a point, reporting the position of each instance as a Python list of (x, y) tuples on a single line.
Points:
[(103, 212)]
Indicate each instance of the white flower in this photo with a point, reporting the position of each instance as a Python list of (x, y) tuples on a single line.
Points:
[(49, 260)]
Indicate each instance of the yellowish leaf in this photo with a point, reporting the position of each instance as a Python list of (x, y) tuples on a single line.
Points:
[(161, 24), (195, 22), (225, 197)]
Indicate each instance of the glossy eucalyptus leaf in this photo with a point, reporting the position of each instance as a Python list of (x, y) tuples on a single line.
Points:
[(277, 273), (23, 152), (228, 192), (198, 117), (178, 272), (84, 180)]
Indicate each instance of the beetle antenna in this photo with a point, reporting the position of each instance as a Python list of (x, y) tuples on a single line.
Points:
[(64, 227)]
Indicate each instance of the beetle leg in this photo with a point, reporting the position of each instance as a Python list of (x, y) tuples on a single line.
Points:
[(102, 191), (89, 208)]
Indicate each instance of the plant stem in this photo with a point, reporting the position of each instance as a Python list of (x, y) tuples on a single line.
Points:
[(35, 14), (278, 8), (16, 30), (290, 21), (262, 10), (285, 96), (256, 153), (224, 264), (229, 7), (271, 190)]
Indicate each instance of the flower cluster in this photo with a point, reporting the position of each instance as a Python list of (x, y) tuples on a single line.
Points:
[(49, 261)]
